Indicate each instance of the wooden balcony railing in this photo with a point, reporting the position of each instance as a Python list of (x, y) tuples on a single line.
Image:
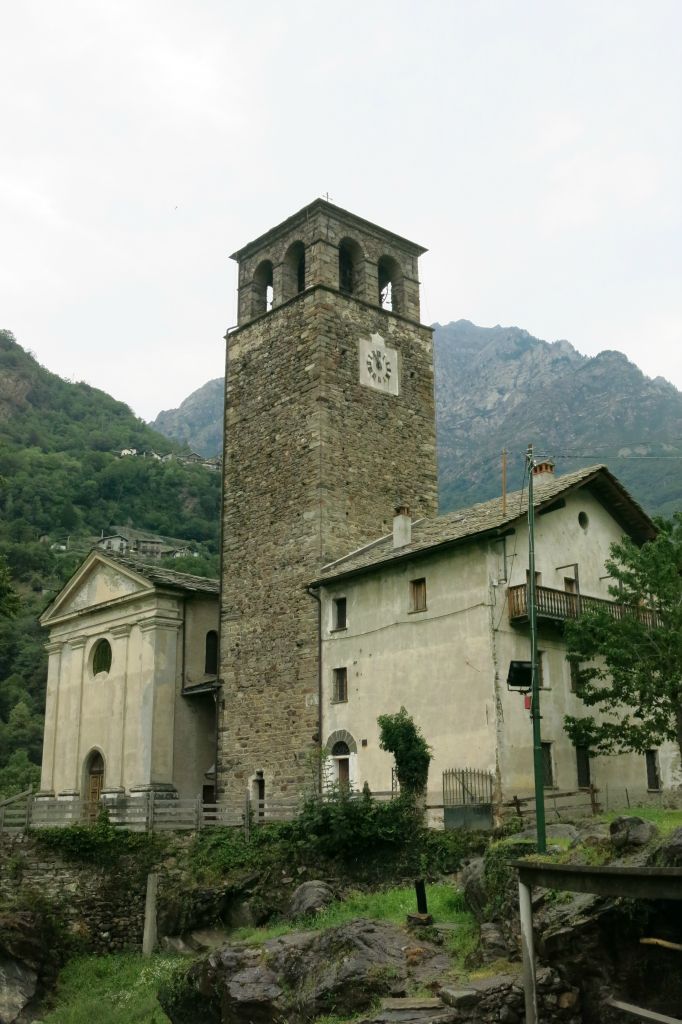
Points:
[(559, 605)]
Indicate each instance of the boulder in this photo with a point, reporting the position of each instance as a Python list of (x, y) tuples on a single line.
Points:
[(309, 898), (592, 833), (18, 985), (669, 854), (473, 884), (493, 943), (560, 830), (631, 831), (299, 976)]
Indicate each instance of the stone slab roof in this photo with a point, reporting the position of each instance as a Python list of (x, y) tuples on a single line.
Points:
[(164, 577), (491, 518)]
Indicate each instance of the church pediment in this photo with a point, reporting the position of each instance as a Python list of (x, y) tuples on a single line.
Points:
[(99, 581)]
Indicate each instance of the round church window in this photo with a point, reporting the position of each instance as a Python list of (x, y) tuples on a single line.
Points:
[(101, 657)]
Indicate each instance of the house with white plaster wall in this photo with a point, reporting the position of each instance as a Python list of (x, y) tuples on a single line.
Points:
[(431, 616)]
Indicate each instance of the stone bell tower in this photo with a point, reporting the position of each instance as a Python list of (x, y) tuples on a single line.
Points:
[(329, 422)]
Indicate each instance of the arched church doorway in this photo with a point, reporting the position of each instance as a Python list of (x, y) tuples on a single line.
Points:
[(94, 777)]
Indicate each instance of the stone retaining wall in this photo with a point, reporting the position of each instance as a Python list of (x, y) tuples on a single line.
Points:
[(102, 906)]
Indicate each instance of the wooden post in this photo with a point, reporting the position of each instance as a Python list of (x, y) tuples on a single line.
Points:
[(149, 934), (200, 813), (150, 811), (29, 807), (593, 800), (528, 952)]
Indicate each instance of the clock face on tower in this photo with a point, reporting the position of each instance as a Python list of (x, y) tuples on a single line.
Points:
[(379, 366)]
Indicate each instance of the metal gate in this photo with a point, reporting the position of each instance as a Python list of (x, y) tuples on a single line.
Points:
[(467, 798)]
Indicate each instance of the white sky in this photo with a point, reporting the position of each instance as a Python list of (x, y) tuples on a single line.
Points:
[(534, 147)]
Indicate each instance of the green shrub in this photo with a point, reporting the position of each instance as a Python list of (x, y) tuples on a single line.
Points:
[(341, 825), (101, 843), (500, 876)]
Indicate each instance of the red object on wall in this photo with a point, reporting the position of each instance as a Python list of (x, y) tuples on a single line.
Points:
[(527, 701)]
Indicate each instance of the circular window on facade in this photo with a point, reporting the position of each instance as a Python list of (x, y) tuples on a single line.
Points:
[(101, 657), (584, 520)]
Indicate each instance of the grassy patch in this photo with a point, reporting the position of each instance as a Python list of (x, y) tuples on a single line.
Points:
[(445, 904), (116, 989), (667, 820)]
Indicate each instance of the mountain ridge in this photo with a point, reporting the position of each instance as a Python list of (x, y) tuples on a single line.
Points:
[(501, 387)]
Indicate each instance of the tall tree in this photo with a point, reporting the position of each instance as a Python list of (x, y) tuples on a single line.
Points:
[(630, 667), (9, 602)]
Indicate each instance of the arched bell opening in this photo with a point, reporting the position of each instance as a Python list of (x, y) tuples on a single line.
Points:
[(294, 271), (262, 294), (391, 285), (350, 266)]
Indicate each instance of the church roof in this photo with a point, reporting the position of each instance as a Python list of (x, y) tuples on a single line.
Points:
[(492, 518), (166, 577)]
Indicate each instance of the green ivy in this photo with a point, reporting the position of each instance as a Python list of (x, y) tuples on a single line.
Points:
[(101, 843), (402, 738)]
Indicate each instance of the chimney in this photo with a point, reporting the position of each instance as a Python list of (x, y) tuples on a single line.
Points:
[(544, 468), (402, 526)]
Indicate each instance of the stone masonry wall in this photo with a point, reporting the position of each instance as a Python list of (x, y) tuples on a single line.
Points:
[(103, 907), (314, 464)]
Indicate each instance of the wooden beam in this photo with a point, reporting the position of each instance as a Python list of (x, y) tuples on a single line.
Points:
[(641, 1014), (634, 882)]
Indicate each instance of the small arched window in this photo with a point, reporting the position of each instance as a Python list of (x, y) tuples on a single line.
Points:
[(262, 288), (340, 749), (294, 271), (350, 256), (211, 659), (390, 284), (101, 657)]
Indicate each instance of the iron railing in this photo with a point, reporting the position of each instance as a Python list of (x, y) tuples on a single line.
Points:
[(466, 786)]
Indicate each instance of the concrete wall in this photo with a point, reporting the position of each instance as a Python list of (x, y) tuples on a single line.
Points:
[(436, 663)]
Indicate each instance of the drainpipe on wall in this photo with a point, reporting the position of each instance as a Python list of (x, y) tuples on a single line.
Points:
[(314, 592)]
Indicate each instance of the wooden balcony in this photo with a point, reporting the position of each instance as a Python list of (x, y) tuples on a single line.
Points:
[(559, 605)]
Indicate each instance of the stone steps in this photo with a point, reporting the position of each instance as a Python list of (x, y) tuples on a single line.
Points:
[(412, 1011)]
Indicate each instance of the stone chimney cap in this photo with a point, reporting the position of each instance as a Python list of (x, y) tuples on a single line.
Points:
[(543, 466), (402, 526)]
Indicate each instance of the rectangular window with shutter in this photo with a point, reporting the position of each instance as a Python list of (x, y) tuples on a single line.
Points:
[(582, 762), (652, 779), (418, 595), (339, 620), (340, 685)]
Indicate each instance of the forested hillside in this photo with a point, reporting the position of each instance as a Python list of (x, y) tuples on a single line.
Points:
[(62, 482)]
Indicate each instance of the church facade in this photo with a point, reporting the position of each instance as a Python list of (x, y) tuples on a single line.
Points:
[(132, 675)]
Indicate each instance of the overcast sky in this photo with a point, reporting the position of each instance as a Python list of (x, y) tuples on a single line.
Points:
[(534, 147)]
